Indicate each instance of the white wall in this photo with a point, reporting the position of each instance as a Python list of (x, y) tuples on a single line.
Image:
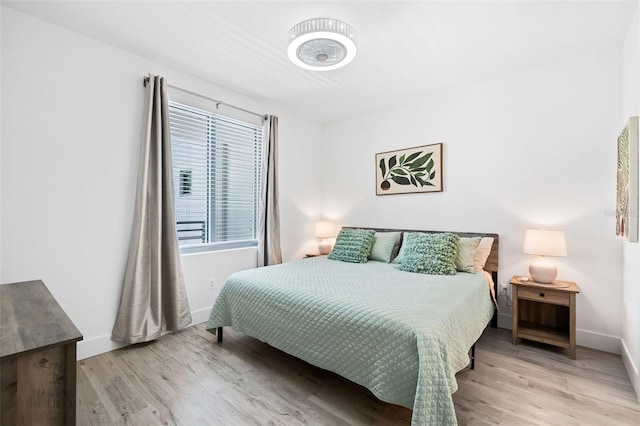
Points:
[(529, 149), (71, 123), (631, 252), (1, 9)]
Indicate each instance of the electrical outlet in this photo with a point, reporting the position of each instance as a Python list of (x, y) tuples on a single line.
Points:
[(504, 289), (212, 283)]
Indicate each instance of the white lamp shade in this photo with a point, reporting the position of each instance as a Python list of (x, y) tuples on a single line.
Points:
[(325, 229), (545, 243)]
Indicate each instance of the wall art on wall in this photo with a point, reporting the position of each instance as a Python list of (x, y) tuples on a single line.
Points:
[(404, 171), (627, 183)]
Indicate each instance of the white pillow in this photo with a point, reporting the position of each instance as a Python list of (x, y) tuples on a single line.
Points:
[(465, 260), (482, 253)]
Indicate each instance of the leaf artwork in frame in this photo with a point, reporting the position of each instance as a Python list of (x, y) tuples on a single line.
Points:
[(409, 170), (627, 182)]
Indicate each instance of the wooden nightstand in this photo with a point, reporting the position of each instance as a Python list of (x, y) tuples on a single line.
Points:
[(545, 313)]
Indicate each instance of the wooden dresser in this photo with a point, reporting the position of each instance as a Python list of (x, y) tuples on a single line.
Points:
[(37, 357)]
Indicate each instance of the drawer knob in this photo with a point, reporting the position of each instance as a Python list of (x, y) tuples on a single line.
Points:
[(541, 294)]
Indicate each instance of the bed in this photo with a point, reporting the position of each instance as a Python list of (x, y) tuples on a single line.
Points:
[(401, 335)]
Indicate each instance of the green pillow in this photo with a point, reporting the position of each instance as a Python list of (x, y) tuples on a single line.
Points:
[(433, 254), (383, 245), (353, 245), (466, 253), (400, 256)]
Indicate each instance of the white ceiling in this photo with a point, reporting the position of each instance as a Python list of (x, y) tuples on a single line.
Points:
[(405, 49)]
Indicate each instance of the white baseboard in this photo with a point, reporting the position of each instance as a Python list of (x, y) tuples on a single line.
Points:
[(505, 321), (102, 344), (96, 346), (99, 345), (599, 341), (631, 368), (200, 316), (590, 339)]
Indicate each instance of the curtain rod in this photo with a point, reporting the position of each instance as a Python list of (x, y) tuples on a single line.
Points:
[(218, 102)]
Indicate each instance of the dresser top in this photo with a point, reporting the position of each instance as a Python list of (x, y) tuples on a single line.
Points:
[(31, 319)]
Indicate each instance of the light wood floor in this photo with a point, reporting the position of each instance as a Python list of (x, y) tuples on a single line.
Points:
[(188, 379)]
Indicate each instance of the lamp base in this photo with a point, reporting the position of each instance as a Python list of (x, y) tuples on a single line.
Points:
[(543, 271), (324, 247)]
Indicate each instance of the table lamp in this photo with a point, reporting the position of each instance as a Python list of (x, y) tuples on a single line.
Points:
[(325, 230), (544, 243)]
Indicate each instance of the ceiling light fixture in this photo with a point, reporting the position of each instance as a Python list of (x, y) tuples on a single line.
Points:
[(322, 44)]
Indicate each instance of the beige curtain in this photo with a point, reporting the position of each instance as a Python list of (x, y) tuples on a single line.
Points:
[(269, 252), (154, 298)]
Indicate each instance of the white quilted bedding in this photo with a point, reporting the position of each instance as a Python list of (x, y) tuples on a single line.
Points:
[(402, 335)]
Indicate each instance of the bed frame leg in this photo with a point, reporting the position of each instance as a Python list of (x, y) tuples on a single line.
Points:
[(473, 356), (494, 319), (219, 334)]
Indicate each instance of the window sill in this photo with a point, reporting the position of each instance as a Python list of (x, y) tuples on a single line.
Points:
[(213, 248)]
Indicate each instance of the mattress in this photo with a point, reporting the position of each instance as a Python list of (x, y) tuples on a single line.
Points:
[(402, 335)]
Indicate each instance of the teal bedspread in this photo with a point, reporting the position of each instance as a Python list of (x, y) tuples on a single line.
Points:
[(401, 335)]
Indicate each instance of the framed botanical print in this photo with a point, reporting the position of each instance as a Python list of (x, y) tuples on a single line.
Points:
[(409, 170), (627, 182)]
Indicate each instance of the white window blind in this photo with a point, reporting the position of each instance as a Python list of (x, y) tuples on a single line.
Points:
[(216, 173)]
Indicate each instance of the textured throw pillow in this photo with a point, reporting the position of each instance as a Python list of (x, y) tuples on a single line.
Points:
[(383, 245), (482, 253), (433, 254), (353, 245), (466, 254)]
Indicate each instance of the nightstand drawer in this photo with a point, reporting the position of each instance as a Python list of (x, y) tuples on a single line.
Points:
[(543, 295)]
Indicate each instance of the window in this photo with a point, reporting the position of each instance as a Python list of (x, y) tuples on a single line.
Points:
[(185, 182), (216, 173)]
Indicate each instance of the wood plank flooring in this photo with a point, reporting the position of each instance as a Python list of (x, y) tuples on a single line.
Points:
[(187, 378)]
